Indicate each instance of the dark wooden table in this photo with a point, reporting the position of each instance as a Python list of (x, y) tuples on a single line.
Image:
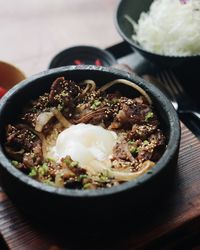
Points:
[(173, 223), (32, 32)]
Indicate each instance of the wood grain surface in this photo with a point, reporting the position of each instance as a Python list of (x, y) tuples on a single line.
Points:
[(174, 222)]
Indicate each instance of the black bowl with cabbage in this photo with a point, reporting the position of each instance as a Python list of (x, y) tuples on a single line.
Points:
[(42, 187)]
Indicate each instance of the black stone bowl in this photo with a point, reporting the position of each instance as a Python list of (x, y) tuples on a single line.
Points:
[(43, 201), (133, 8)]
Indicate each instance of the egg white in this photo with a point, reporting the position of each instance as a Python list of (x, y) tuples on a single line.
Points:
[(88, 144)]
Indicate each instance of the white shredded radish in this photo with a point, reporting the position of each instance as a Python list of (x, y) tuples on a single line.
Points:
[(171, 27)]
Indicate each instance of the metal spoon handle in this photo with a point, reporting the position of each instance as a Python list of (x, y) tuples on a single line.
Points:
[(196, 114)]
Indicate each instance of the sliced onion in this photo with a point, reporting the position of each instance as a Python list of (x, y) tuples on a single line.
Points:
[(98, 167), (127, 176), (59, 182), (39, 135), (42, 119), (90, 84), (61, 118), (128, 83), (104, 168), (43, 141), (89, 115)]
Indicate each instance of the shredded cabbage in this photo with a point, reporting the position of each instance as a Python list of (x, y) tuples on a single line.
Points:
[(171, 27)]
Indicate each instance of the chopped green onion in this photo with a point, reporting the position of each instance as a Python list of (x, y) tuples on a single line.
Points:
[(15, 163), (134, 150), (148, 116), (49, 182), (34, 110), (41, 171), (59, 107), (45, 167), (103, 178), (67, 160), (63, 93), (50, 159), (115, 101), (96, 104), (87, 185), (33, 172), (131, 142), (82, 176), (73, 164), (145, 142)]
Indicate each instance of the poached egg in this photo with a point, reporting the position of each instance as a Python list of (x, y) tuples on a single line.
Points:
[(88, 144)]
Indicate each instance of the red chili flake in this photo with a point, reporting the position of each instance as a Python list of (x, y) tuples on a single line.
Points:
[(78, 62), (184, 1), (2, 91), (98, 62)]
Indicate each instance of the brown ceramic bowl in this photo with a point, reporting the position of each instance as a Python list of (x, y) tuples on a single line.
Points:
[(10, 75)]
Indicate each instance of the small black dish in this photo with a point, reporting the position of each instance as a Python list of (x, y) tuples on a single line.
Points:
[(83, 55), (44, 201), (133, 8)]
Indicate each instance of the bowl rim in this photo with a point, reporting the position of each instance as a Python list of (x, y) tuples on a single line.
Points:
[(57, 58), (172, 146), (136, 46)]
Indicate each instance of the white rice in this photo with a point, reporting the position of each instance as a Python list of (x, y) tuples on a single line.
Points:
[(171, 27)]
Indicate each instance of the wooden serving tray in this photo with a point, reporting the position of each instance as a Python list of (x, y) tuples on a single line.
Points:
[(173, 223)]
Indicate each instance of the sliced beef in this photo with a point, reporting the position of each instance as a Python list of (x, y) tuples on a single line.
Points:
[(144, 155), (135, 111), (131, 114), (159, 140), (121, 151), (154, 147), (30, 118), (39, 106), (114, 96), (20, 138), (63, 94), (23, 144), (142, 131), (92, 117)]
